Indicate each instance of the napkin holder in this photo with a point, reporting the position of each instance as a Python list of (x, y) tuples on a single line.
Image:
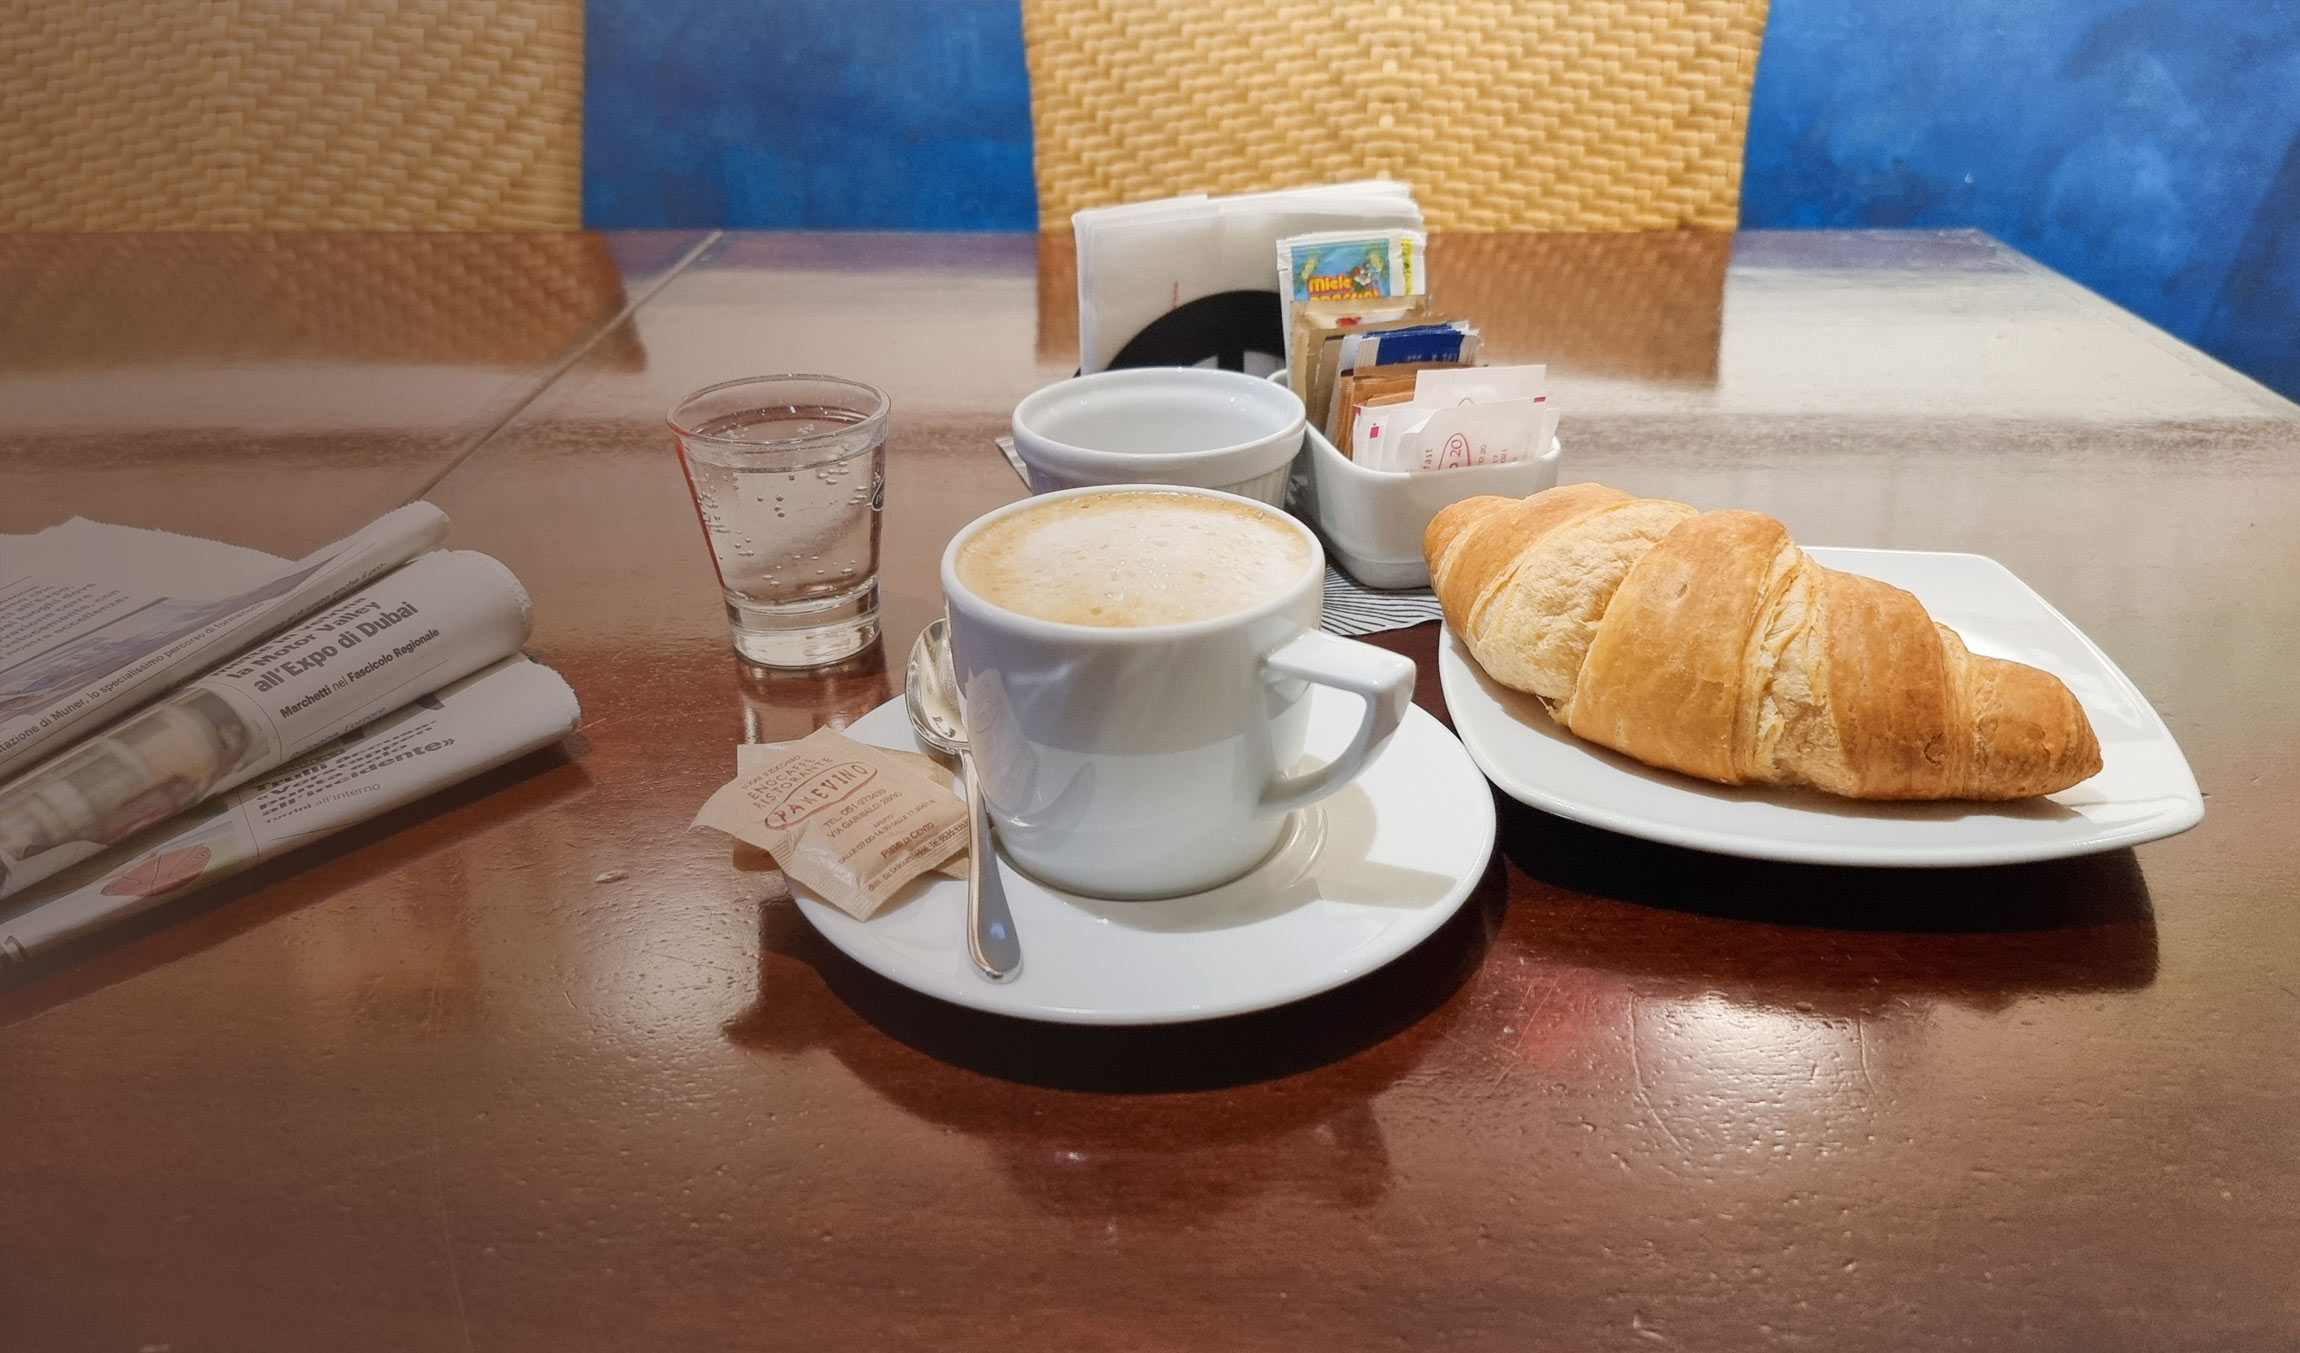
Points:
[(1372, 520)]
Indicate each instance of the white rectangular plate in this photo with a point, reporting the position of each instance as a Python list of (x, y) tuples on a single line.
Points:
[(2144, 790)]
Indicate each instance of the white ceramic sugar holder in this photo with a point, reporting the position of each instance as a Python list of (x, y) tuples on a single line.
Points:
[(1372, 520)]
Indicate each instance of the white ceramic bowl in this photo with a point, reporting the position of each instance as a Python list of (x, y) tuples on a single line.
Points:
[(1372, 520), (1194, 426)]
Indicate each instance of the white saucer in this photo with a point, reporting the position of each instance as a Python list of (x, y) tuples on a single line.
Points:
[(1359, 879), (2144, 790)]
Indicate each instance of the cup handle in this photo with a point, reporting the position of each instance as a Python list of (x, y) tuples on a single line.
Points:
[(1384, 680)]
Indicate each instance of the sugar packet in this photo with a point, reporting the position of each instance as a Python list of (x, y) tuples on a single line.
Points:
[(1313, 322), (1356, 392), (754, 756), (1443, 341), (1452, 342), (1455, 418), (850, 821)]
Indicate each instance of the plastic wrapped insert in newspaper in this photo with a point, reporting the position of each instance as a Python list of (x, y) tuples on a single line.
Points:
[(441, 617), (390, 676), (464, 729), (96, 619)]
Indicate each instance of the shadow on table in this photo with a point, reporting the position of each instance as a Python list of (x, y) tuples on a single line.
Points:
[(1849, 940), (1141, 1059), (212, 916), (1297, 1083)]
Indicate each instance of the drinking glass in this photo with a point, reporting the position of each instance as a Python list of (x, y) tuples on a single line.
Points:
[(788, 473)]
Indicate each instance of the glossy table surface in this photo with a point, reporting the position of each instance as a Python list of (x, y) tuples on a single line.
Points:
[(533, 1066)]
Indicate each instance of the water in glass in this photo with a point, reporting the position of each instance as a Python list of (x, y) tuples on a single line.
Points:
[(791, 509)]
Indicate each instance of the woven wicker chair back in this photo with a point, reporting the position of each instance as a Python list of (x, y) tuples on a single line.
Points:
[(1502, 114), (222, 114)]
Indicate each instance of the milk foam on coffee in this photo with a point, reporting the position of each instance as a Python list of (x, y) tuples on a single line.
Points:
[(1129, 558)]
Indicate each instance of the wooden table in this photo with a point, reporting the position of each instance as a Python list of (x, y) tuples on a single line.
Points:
[(535, 1067)]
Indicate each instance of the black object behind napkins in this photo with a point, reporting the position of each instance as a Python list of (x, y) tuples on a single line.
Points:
[(1223, 328)]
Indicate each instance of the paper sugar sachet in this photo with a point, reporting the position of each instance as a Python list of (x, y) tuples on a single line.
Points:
[(1316, 325), (1358, 392), (1455, 418), (1450, 340), (751, 756), (852, 822), (1378, 349)]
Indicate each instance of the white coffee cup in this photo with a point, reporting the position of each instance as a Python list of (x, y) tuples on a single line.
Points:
[(1153, 759), (1161, 425)]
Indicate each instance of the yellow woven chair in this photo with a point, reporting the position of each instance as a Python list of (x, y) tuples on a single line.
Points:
[(1502, 114), (512, 299), (251, 114)]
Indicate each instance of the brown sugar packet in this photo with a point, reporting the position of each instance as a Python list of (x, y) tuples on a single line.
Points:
[(750, 756), (1345, 436), (1373, 385), (1311, 321), (846, 819), (1337, 406), (1323, 361)]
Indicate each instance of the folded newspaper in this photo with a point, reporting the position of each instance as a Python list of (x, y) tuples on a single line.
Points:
[(95, 619), (470, 726), (292, 700)]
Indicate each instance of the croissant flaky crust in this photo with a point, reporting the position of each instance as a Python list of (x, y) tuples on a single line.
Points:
[(1706, 642)]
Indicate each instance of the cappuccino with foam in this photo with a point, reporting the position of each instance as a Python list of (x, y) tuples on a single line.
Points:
[(1137, 664), (1132, 557)]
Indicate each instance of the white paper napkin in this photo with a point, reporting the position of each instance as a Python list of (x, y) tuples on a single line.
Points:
[(1141, 260)]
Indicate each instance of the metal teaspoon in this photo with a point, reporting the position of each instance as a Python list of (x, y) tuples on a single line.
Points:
[(930, 693)]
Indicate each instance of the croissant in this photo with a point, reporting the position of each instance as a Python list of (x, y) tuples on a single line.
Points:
[(1707, 643)]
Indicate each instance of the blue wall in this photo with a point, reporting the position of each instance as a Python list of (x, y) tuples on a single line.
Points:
[(818, 114), (2148, 148)]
